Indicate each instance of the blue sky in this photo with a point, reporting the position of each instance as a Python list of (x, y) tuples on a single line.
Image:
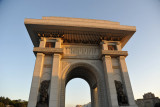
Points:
[(17, 59)]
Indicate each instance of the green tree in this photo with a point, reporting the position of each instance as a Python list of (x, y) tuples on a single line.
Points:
[(7, 101), (13, 103)]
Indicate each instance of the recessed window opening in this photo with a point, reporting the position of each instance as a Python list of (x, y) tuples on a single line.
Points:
[(77, 93), (50, 44), (112, 47)]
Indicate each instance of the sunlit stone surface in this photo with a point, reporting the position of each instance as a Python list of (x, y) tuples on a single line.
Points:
[(90, 49)]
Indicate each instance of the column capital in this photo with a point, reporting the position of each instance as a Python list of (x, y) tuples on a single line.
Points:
[(57, 56), (43, 39), (40, 54), (42, 42), (104, 42), (122, 57), (58, 43), (58, 39), (106, 57)]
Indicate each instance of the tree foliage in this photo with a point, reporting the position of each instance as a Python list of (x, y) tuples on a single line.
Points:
[(13, 103)]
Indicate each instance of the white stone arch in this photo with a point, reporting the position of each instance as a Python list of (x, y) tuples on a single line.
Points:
[(82, 40), (97, 92)]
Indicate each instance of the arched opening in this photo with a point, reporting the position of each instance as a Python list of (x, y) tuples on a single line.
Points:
[(86, 73), (77, 93)]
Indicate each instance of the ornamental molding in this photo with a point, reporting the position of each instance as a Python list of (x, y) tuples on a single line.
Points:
[(114, 53), (47, 50), (86, 52), (81, 37)]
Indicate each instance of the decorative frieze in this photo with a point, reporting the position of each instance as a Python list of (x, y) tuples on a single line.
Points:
[(83, 50)]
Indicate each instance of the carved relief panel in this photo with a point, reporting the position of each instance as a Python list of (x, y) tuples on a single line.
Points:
[(43, 91), (121, 96), (81, 51)]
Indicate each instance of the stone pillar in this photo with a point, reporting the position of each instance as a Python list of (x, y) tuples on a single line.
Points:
[(94, 93), (110, 85), (42, 42), (58, 43), (54, 91), (118, 44), (55, 80), (105, 46), (126, 81), (36, 80)]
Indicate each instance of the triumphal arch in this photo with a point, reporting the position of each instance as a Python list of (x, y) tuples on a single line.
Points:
[(67, 48)]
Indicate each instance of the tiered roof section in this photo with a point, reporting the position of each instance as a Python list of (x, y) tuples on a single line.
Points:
[(77, 30)]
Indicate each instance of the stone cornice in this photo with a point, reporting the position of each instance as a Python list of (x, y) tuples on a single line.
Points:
[(114, 53), (48, 50), (80, 20), (80, 24), (58, 26), (111, 53)]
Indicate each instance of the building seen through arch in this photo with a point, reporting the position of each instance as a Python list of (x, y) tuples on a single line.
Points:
[(67, 48), (149, 100), (77, 93), (85, 105)]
